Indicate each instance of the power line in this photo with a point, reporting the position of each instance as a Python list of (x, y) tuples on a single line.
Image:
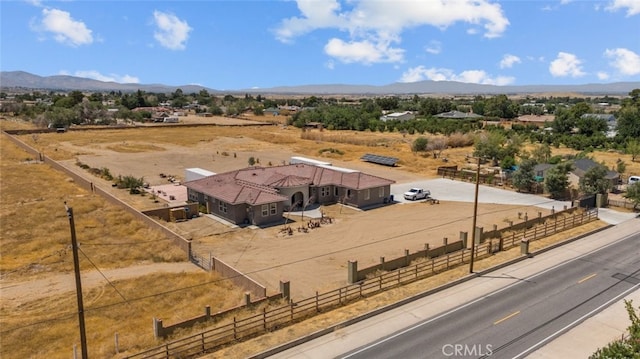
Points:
[(103, 276)]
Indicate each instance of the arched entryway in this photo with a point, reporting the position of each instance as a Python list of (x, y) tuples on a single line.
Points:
[(297, 200)]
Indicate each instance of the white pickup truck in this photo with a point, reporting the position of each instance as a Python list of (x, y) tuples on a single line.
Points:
[(416, 194)]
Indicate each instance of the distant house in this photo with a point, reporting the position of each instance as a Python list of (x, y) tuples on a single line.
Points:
[(261, 195), (538, 120), (398, 116), (271, 111), (540, 171), (582, 165), (458, 115)]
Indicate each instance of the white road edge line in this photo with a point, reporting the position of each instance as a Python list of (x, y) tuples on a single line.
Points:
[(483, 297), (552, 336)]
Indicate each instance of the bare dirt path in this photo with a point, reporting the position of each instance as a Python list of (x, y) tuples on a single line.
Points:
[(15, 292)]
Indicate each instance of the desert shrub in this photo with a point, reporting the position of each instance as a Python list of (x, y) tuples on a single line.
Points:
[(458, 139), (331, 150)]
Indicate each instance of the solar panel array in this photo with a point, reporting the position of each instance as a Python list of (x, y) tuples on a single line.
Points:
[(381, 160)]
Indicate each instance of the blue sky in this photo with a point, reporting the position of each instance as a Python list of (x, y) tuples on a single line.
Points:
[(232, 45)]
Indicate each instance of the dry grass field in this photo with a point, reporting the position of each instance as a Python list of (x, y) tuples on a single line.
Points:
[(34, 229)]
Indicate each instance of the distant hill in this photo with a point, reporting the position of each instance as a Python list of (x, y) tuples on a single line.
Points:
[(20, 80)]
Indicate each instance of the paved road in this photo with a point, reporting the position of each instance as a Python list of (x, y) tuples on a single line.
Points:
[(514, 321), (514, 309), (453, 190)]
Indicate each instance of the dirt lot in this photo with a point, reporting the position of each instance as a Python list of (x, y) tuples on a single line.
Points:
[(311, 261)]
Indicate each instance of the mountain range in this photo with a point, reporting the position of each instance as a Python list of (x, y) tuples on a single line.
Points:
[(13, 81)]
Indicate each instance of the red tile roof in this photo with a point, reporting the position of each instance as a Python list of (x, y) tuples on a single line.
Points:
[(259, 185)]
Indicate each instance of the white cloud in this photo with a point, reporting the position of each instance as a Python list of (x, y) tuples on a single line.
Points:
[(172, 32), (625, 61), (330, 65), (366, 52), (65, 29), (632, 6), (36, 3), (602, 75), (378, 24), (509, 60), (93, 74), (566, 64), (421, 73), (434, 47)]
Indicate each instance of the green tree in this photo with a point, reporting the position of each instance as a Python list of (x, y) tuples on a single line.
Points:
[(489, 145), (557, 180), (542, 153), (420, 144), (563, 122), (633, 148), (621, 166), (628, 122), (594, 181), (633, 194), (524, 177), (591, 125), (252, 161)]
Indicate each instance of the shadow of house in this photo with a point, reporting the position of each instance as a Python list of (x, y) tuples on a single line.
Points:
[(261, 195)]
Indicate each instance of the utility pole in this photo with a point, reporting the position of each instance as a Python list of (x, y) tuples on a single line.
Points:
[(76, 268), (475, 217)]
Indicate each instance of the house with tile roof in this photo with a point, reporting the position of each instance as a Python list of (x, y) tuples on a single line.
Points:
[(261, 195)]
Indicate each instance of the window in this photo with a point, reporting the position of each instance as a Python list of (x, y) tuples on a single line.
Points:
[(222, 207), (273, 209), (265, 210), (367, 194), (324, 191), (335, 191), (381, 192)]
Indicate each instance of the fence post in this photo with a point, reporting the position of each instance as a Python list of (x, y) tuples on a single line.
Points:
[(264, 317), (157, 328), (235, 324), (285, 289), (463, 238), (426, 250), (202, 342), (212, 265), (317, 306), (352, 271), (380, 281), (291, 307), (406, 257), (116, 342)]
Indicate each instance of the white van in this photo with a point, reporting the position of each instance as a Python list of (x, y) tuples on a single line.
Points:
[(634, 179)]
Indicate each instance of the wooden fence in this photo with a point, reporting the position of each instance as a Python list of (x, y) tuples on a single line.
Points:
[(622, 204), (251, 325)]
